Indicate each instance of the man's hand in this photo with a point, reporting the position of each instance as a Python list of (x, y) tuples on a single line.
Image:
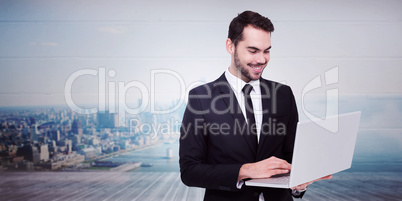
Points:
[(264, 169), (303, 187)]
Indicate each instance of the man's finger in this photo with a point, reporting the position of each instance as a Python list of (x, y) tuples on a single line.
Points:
[(304, 186), (324, 178), (280, 163), (278, 171)]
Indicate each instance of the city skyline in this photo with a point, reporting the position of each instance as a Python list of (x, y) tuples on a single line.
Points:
[(40, 138)]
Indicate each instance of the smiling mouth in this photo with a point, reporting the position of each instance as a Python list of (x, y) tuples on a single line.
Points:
[(256, 67)]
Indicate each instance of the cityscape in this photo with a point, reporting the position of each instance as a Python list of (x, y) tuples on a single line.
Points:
[(59, 139), (54, 153)]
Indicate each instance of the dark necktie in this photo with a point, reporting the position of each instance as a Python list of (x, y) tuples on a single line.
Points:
[(252, 127)]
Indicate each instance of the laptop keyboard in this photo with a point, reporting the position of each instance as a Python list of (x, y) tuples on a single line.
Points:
[(280, 179)]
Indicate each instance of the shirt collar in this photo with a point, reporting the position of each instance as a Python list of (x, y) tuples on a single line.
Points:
[(237, 84)]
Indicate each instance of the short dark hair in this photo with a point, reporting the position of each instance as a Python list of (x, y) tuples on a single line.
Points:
[(248, 18)]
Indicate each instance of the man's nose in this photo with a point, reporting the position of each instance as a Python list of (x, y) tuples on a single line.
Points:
[(261, 59)]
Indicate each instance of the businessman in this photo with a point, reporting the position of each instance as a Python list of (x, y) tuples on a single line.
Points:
[(240, 126)]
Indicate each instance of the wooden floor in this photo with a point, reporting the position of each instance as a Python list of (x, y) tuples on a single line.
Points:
[(102, 186)]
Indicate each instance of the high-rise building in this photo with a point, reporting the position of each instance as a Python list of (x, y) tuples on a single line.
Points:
[(67, 144), (40, 153), (76, 139), (107, 120), (33, 134), (26, 152), (55, 135), (76, 127), (72, 114)]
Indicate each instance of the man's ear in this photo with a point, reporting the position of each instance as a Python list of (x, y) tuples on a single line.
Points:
[(230, 46)]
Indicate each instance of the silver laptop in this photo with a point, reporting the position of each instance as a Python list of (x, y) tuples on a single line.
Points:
[(318, 152)]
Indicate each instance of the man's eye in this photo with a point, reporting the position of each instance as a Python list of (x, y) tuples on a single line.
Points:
[(253, 52), (266, 52)]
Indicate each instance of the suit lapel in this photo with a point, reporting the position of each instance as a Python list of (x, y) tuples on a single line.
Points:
[(229, 98), (266, 106)]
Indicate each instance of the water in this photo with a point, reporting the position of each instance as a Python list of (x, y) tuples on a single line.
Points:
[(156, 155)]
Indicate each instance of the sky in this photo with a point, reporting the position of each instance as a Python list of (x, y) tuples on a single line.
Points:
[(43, 43)]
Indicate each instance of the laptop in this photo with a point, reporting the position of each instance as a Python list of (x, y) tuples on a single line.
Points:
[(318, 152)]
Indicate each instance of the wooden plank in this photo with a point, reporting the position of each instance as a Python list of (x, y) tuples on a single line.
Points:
[(167, 186)]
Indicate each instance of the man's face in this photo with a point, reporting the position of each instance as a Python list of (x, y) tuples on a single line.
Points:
[(251, 55)]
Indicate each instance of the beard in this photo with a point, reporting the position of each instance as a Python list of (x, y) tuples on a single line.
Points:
[(243, 70)]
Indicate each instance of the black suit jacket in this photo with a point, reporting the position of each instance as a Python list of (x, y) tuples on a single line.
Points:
[(214, 143)]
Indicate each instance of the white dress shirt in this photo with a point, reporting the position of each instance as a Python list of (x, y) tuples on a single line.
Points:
[(237, 85)]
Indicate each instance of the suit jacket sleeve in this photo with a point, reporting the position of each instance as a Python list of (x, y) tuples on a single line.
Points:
[(194, 167), (291, 129), (290, 138)]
